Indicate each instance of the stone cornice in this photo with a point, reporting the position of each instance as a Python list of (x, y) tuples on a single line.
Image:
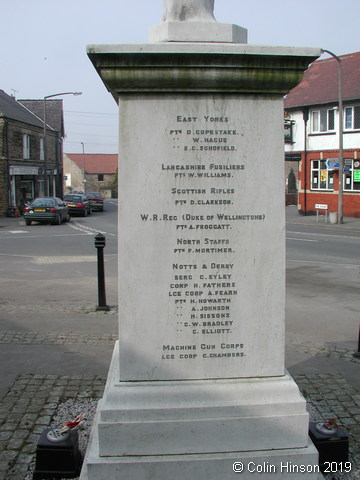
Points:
[(200, 68)]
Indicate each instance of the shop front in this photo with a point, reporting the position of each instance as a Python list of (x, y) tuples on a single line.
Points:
[(320, 183), (27, 182)]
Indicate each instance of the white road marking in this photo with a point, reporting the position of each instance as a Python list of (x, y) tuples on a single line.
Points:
[(316, 262), (302, 239), (324, 235), (48, 260), (64, 259), (88, 230)]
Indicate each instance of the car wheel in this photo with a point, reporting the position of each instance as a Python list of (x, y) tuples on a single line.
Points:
[(57, 220), (90, 211), (28, 222), (84, 213), (67, 218)]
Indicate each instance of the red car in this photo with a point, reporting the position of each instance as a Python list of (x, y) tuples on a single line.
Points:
[(77, 204), (96, 200)]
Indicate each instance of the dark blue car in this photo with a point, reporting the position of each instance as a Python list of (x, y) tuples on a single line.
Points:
[(46, 210)]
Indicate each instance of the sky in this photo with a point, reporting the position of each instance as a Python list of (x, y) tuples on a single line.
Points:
[(43, 48)]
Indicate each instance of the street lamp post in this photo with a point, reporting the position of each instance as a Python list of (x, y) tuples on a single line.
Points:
[(46, 184), (341, 135), (84, 178)]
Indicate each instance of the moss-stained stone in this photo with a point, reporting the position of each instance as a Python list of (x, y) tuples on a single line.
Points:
[(200, 68)]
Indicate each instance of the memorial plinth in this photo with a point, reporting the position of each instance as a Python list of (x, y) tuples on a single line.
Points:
[(197, 380), (196, 31)]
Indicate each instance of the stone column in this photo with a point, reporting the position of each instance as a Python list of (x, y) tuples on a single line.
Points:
[(197, 381)]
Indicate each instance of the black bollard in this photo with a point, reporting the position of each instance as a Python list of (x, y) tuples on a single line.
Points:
[(357, 354), (100, 244)]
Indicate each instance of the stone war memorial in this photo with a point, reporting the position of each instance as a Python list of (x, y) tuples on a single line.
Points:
[(197, 387)]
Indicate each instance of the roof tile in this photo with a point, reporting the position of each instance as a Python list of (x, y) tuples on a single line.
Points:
[(105, 163), (10, 108), (320, 82)]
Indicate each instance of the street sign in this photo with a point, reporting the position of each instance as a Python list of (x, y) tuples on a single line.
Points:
[(332, 163)]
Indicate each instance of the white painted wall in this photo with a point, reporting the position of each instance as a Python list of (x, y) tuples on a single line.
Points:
[(323, 141)]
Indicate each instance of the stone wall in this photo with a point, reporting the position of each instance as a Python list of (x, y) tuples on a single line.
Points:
[(15, 143), (105, 186), (11, 148), (74, 174)]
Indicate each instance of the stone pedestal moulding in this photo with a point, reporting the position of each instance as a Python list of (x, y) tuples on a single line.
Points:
[(197, 380)]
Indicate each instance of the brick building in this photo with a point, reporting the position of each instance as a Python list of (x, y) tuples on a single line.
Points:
[(92, 172), (22, 153), (55, 120), (312, 136)]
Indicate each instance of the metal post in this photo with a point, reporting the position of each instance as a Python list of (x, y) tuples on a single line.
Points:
[(46, 180), (341, 159), (46, 184), (357, 354), (84, 177), (99, 245), (341, 132)]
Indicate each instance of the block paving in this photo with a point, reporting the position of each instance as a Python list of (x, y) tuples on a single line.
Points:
[(33, 401)]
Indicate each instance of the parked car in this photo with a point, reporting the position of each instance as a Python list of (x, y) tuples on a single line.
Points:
[(46, 210), (77, 204), (96, 200)]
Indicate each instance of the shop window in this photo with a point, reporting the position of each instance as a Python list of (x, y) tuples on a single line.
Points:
[(26, 146), (351, 175), (352, 118), (27, 189), (322, 178), (323, 120)]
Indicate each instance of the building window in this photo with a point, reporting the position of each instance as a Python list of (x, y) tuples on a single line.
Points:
[(322, 178), (351, 174), (288, 130), (100, 177), (26, 146), (41, 192), (352, 118), (322, 120)]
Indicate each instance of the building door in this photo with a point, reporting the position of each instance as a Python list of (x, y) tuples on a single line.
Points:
[(27, 189), (291, 195)]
